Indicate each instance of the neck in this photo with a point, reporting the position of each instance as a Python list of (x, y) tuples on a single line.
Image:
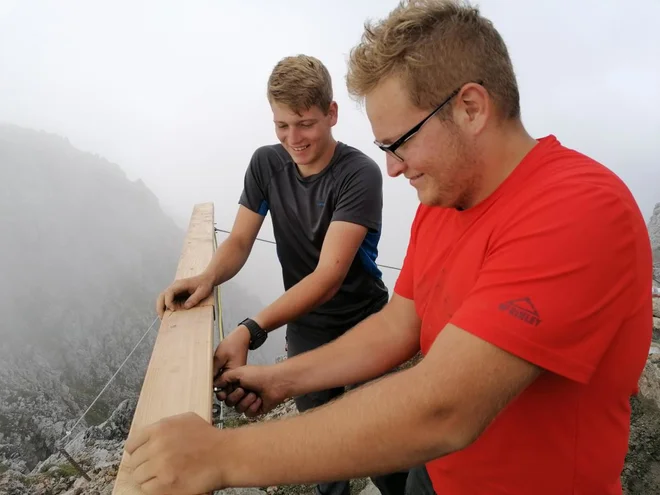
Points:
[(318, 165), (503, 151)]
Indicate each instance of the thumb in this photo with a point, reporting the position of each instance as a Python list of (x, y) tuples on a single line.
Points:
[(228, 377), (199, 294)]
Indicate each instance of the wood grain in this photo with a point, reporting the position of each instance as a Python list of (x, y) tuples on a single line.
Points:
[(179, 376)]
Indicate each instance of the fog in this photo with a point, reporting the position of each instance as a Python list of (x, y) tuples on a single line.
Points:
[(174, 92)]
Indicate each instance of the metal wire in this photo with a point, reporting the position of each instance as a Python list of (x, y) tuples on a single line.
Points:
[(108, 384), (273, 242)]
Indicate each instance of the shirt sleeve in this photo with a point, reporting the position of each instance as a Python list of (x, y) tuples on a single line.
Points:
[(555, 284), (360, 198), (255, 183)]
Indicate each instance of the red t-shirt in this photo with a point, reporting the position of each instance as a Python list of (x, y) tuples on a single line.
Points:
[(554, 267)]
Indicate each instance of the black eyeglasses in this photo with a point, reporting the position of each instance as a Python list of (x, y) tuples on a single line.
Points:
[(391, 148)]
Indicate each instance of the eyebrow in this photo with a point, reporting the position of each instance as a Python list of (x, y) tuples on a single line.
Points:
[(305, 121)]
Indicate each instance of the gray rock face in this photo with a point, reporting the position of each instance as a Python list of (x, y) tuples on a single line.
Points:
[(654, 233), (97, 450), (641, 475)]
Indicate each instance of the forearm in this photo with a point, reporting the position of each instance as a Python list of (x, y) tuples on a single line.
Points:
[(227, 261), (385, 426), (373, 347), (309, 293)]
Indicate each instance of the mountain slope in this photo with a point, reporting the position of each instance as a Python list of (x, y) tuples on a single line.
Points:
[(83, 255)]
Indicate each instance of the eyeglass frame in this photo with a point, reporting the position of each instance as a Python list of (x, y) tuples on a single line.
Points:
[(391, 148)]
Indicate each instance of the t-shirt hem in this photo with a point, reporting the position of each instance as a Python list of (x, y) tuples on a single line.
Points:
[(525, 349)]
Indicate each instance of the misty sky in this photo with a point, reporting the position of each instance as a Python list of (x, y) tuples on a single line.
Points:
[(174, 92)]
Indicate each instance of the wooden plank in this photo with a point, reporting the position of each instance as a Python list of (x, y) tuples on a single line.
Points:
[(179, 376), (198, 246)]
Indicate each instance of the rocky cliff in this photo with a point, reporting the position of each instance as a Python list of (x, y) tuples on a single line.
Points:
[(654, 233), (83, 255)]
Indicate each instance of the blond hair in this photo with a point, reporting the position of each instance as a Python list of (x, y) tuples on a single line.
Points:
[(300, 82), (435, 46)]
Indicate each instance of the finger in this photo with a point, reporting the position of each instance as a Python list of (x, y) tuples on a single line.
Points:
[(152, 487), (143, 473), (254, 409), (140, 457), (137, 440), (235, 397), (196, 297), (226, 377), (169, 298), (222, 393), (246, 402), (160, 305)]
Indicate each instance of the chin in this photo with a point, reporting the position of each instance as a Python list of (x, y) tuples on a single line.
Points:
[(428, 198)]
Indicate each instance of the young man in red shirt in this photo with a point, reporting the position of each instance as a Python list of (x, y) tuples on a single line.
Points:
[(526, 286)]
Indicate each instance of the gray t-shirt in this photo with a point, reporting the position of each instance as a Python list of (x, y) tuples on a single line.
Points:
[(348, 189)]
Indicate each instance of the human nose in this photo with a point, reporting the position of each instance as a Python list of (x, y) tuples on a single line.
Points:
[(294, 136), (395, 167)]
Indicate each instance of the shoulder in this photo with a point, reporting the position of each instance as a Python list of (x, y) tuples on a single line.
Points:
[(570, 188), (354, 165), (269, 158)]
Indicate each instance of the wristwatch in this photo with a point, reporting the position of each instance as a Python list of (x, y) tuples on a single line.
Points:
[(257, 334)]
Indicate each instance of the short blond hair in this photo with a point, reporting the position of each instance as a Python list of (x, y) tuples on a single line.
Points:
[(435, 46), (300, 82)]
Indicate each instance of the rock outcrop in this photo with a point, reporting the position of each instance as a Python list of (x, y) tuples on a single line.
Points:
[(641, 475), (654, 234), (97, 451)]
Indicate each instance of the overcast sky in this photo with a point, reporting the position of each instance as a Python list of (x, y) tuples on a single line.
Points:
[(174, 92)]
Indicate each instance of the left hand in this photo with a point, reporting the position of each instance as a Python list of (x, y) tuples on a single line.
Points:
[(176, 456)]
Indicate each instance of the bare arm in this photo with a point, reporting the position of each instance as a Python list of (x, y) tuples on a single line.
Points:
[(233, 252), (340, 245), (438, 407), (376, 345)]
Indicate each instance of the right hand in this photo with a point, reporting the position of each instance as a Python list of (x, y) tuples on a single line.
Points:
[(193, 289), (267, 392)]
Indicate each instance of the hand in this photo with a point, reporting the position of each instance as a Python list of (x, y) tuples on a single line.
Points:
[(178, 455), (267, 391), (232, 352), (193, 289)]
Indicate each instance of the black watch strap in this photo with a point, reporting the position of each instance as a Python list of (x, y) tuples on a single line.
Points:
[(257, 334)]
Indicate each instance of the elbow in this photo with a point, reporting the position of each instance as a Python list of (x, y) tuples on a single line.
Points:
[(452, 434), (331, 291), (461, 429), (456, 423), (330, 284)]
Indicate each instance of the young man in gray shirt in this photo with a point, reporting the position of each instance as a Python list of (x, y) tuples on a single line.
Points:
[(325, 198)]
